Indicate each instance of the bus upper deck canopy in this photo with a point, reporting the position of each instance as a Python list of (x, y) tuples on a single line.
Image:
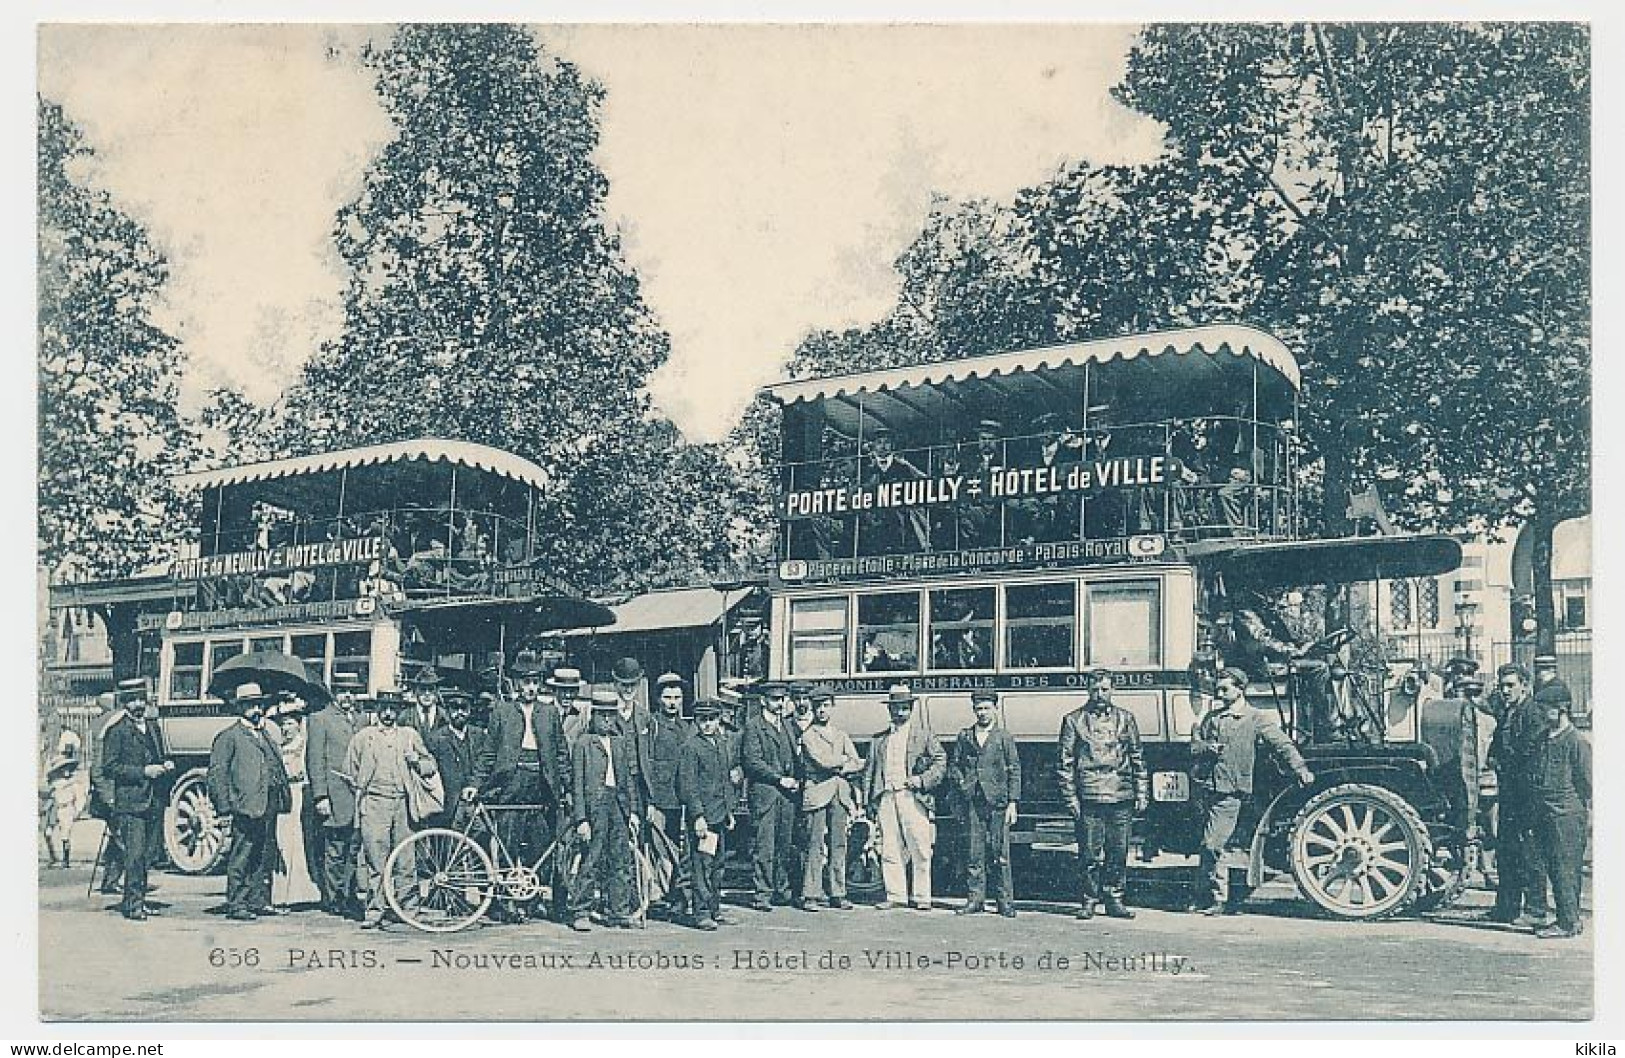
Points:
[(1192, 371), (1185, 434)]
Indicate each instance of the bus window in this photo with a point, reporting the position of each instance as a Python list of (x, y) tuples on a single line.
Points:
[(222, 651), (312, 650), (1041, 622), (352, 652), (186, 674), (962, 629), (889, 632), (1125, 623), (266, 643), (818, 636)]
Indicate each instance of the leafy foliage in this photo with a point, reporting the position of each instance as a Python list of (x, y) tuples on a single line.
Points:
[(489, 301), (109, 432)]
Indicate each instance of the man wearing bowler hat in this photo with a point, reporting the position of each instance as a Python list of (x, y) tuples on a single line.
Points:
[(608, 804), (327, 741), (525, 761), (426, 711), (247, 781), (132, 763), (906, 763), (768, 754), (987, 773)]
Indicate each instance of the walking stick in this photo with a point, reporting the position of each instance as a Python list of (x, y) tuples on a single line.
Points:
[(90, 889)]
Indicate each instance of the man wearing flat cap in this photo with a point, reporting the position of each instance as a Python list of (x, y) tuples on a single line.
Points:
[(382, 762), (608, 804), (1224, 748), (987, 772), (829, 761), (327, 742), (1104, 782), (247, 781), (707, 796), (906, 763), (525, 761), (768, 754), (1549, 688), (132, 762)]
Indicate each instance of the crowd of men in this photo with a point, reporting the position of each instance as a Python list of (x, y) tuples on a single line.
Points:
[(609, 773)]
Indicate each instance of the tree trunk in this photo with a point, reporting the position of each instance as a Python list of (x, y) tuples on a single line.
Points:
[(1541, 527)]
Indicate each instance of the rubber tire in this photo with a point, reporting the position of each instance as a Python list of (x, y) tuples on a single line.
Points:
[(482, 861), (191, 793), (1419, 848)]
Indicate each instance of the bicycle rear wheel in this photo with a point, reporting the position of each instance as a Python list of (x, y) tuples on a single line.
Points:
[(451, 881)]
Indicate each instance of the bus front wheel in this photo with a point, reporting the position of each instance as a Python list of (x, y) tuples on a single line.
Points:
[(195, 835)]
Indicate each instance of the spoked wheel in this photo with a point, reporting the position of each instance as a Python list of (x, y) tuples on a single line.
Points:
[(195, 835), (450, 881), (1359, 852)]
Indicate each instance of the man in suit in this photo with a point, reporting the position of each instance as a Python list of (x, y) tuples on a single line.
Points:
[(828, 761), (426, 712), (768, 754), (668, 731), (248, 782), (1521, 881), (906, 763), (899, 530), (987, 772), (565, 683), (132, 764), (607, 806), (327, 741), (707, 796), (456, 748), (1560, 785), (635, 717), (526, 762), (1104, 782)]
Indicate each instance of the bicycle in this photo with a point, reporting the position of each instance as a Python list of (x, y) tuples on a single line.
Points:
[(454, 879)]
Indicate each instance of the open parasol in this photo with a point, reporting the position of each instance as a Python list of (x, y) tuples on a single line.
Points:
[(273, 670)]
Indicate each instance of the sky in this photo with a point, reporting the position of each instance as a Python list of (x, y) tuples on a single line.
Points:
[(763, 178)]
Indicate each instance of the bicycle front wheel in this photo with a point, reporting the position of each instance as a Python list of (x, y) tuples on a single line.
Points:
[(447, 881)]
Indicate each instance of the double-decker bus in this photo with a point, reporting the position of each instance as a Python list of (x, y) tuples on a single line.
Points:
[(1013, 521), (379, 561)]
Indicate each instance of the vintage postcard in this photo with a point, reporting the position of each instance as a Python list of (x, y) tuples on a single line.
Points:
[(559, 523)]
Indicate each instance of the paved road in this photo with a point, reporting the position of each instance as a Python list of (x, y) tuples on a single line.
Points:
[(1277, 963)]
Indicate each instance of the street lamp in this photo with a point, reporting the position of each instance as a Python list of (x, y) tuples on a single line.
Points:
[(1466, 618)]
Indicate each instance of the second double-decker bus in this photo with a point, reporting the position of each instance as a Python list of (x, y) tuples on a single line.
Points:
[(1013, 521)]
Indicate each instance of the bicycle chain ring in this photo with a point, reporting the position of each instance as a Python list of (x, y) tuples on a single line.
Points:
[(519, 883)]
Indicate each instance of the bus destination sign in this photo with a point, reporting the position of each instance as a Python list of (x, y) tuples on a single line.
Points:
[(1148, 547)]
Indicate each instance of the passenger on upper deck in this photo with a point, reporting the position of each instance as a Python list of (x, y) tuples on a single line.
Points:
[(899, 530)]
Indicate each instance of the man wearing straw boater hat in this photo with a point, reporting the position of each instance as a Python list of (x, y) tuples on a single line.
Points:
[(328, 734), (565, 683), (525, 761), (248, 782), (607, 806), (132, 763), (905, 764)]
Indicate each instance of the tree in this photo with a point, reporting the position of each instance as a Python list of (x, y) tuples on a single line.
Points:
[(110, 436), (488, 300), (1435, 183)]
